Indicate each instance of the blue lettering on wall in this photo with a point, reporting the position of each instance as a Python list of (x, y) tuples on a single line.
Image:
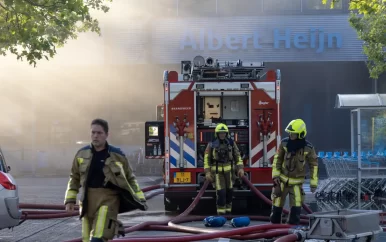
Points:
[(316, 39)]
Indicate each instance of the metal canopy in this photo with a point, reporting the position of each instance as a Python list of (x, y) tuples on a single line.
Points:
[(352, 101)]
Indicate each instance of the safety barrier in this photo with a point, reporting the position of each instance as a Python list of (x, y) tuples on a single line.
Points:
[(340, 189)]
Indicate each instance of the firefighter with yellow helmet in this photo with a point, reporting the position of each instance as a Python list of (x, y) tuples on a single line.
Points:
[(220, 157), (288, 172)]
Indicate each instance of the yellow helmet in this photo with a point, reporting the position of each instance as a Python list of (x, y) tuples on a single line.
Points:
[(221, 128), (297, 126)]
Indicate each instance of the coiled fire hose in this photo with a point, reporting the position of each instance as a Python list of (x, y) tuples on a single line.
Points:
[(248, 233)]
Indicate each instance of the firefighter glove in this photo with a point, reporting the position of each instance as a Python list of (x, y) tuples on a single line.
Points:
[(277, 190), (209, 177), (276, 181), (70, 207), (120, 230), (313, 189), (241, 173)]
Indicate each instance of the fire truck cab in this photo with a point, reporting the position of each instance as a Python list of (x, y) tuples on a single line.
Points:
[(205, 93)]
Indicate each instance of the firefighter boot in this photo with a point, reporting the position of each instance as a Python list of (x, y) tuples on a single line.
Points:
[(294, 217), (228, 208), (93, 239), (221, 198), (275, 217), (228, 201)]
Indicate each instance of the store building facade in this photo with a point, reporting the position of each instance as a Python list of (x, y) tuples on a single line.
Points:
[(317, 50)]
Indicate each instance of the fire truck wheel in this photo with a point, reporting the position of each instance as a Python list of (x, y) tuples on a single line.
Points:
[(170, 206)]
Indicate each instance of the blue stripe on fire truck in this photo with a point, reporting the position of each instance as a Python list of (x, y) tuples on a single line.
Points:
[(176, 148), (188, 142), (189, 153)]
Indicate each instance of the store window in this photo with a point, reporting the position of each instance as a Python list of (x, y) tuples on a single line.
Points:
[(282, 6), (196, 8), (146, 8), (163, 8), (133, 8), (228, 8), (318, 5)]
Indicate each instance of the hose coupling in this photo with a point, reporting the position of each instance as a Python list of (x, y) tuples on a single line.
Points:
[(300, 233)]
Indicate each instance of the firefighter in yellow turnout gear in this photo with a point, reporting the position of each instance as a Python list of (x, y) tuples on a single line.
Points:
[(107, 186), (288, 172), (220, 157)]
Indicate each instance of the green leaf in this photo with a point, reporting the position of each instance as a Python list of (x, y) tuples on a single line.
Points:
[(35, 28), (368, 18)]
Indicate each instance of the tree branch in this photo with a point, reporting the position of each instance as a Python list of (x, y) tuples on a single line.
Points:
[(42, 5), (3, 7), (37, 27)]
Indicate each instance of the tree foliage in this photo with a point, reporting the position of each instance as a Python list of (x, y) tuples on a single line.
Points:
[(371, 28), (34, 28), (368, 18)]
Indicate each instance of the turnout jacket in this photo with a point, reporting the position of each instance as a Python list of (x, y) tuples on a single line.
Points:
[(290, 168), (222, 156), (118, 175)]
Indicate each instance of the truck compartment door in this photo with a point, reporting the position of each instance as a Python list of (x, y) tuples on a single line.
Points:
[(235, 108)]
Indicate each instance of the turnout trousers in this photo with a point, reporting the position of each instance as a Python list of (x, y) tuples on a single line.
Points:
[(296, 198), (100, 224), (224, 192)]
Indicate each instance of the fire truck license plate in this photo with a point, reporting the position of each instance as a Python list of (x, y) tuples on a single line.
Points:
[(182, 177)]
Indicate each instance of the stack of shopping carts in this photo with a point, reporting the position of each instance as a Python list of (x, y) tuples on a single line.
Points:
[(340, 189)]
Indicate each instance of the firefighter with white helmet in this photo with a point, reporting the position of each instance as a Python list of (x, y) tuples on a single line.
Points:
[(220, 156), (288, 172)]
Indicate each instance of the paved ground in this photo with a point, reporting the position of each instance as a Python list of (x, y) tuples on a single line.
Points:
[(51, 191)]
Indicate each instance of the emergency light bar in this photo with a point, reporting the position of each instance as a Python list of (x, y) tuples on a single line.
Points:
[(201, 69)]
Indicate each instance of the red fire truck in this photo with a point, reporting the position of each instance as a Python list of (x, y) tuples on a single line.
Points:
[(207, 91)]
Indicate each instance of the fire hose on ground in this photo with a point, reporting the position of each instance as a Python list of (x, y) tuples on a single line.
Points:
[(266, 231), (58, 209)]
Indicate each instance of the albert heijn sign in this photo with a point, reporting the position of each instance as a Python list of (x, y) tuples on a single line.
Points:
[(314, 38)]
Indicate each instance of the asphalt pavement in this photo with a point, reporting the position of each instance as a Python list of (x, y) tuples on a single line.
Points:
[(51, 191)]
